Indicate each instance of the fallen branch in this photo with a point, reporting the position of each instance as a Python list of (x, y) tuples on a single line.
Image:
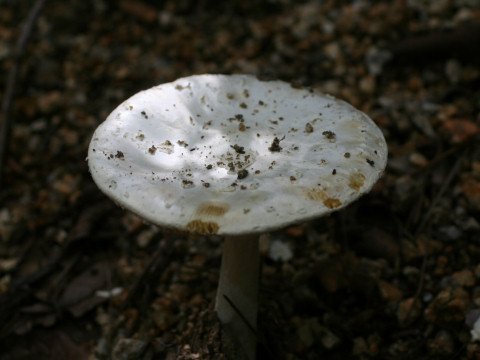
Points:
[(9, 94)]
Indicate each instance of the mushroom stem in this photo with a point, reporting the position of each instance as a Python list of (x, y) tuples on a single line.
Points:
[(237, 295)]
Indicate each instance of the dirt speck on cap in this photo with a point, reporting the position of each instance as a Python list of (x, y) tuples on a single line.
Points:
[(308, 128), (275, 147), (330, 135), (242, 174), (238, 149)]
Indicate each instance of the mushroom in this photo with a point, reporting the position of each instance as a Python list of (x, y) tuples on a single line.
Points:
[(235, 156)]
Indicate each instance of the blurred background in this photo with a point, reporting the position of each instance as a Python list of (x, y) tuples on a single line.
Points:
[(394, 276)]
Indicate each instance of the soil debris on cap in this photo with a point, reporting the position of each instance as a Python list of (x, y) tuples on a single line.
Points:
[(330, 135), (275, 147), (242, 174), (238, 149)]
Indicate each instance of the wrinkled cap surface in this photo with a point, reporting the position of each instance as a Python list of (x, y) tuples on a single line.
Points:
[(218, 154)]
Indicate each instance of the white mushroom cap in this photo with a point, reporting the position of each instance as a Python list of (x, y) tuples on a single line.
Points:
[(235, 155)]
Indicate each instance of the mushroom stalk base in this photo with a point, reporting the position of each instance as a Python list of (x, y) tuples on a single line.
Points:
[(237, 295)]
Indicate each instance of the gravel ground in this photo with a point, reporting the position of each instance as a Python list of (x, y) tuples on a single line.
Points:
[(393, 276)]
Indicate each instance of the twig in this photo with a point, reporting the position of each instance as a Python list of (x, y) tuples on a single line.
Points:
[(441, 157), (425, 170), (157, 264), (437, 46), (8, 96), (451, 175), (237, 310), (438, 197)]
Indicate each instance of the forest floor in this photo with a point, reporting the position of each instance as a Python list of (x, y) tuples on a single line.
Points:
[(393, 276)]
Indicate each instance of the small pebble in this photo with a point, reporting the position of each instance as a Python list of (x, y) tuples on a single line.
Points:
[(442, 344), (280, 251), (408, 311), (129, 349), (465, 278), (449, 306), (389, 292), (453, 70), (418, 159)]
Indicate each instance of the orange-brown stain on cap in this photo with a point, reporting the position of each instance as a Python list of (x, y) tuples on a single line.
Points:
[(317, 194), (203, 227), (332, 203), (212, 209), (356, 181)]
